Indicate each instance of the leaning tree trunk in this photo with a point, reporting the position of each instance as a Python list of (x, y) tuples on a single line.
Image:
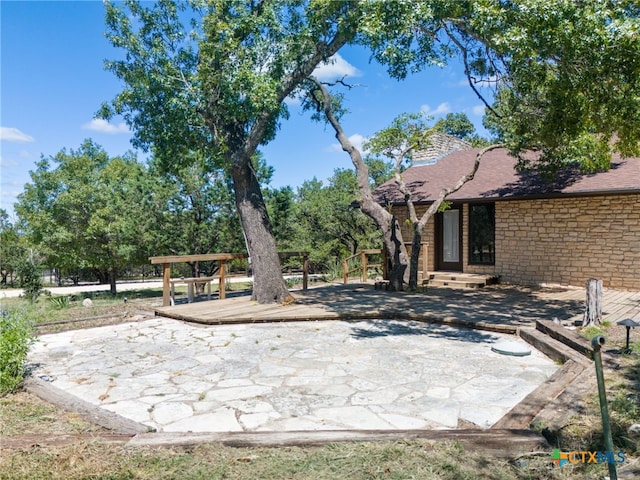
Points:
[(268, 284), (593, 303), (388, 224)]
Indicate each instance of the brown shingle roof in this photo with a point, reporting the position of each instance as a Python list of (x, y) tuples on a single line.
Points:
[(497, 178)]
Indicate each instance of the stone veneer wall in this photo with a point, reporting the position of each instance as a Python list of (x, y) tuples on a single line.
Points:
[(569, 240), (557, 241)]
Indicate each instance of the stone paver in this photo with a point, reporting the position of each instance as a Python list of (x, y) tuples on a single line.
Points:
[(179, 377)]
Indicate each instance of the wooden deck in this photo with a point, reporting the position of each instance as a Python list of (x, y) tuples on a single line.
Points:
[(498, 307)]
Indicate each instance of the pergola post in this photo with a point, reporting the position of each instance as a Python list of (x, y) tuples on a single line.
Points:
[(221, 281), (305, 271), (166, 276)]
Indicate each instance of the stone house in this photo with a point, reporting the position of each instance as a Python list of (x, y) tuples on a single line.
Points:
[(523, 229)]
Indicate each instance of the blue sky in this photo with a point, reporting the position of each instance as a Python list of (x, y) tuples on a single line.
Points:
[(53, 81)]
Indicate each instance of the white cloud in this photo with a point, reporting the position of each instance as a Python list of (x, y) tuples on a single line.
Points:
[(356, 140), (6, 162), (10, 134), (478, 110), (441, 109), (102, 126), (335, 67)]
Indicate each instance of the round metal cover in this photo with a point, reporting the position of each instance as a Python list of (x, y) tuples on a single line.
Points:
[(511, 347)]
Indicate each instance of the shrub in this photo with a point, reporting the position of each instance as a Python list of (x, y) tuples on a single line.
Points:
[(60, 303), (30, 275), (16, 336)]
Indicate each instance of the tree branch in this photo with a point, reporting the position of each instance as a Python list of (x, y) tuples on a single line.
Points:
[(467, 70), (341, 82), (445, 192)]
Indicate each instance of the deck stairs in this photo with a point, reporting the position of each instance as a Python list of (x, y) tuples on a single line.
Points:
[(458, 280)]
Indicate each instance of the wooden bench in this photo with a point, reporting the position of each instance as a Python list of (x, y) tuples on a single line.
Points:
[(191, 287)]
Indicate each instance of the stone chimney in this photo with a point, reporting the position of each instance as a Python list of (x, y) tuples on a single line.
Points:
[(440, 145)]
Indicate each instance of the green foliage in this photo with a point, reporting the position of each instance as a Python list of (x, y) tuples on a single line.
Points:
[(409, 132), (212, 76), (86, 210), (564, 75), (12, 249), (16, 337), (60, 302), (444, 206), (195, 212), (456, 124), (325, 223), (591, 331), (625, 406), (566, 72), (292, 281), (30, 274), (406, 133), (333, 272), (459, 125), (280, 206)]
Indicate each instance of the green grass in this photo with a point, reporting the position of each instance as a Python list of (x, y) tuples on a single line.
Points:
[(592, 331), (349, 461), (68, 307)]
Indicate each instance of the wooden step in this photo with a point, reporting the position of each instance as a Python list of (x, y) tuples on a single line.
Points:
[(457, 280), (456, 283)]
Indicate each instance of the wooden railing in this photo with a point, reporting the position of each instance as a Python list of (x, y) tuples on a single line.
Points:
[(363, 265), (221, 258)]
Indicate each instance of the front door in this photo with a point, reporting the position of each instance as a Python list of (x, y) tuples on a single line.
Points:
[(449, 240)]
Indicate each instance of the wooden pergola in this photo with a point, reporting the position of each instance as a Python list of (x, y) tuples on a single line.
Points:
[(222, 258)]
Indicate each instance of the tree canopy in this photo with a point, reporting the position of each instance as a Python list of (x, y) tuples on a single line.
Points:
[(564, 78), (565, 74), (212, 76), (86, 210), (219, 87)]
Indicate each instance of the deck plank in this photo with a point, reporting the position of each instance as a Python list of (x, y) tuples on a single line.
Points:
[(497, 307)]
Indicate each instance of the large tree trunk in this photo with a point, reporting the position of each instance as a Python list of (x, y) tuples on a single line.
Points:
[(397, 252), (268, 284)]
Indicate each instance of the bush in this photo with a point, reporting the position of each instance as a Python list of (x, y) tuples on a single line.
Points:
[(60, 303), (16, 336), (30, 275)]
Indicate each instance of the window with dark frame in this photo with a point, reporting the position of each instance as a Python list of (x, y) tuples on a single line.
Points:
[(482, 227)]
